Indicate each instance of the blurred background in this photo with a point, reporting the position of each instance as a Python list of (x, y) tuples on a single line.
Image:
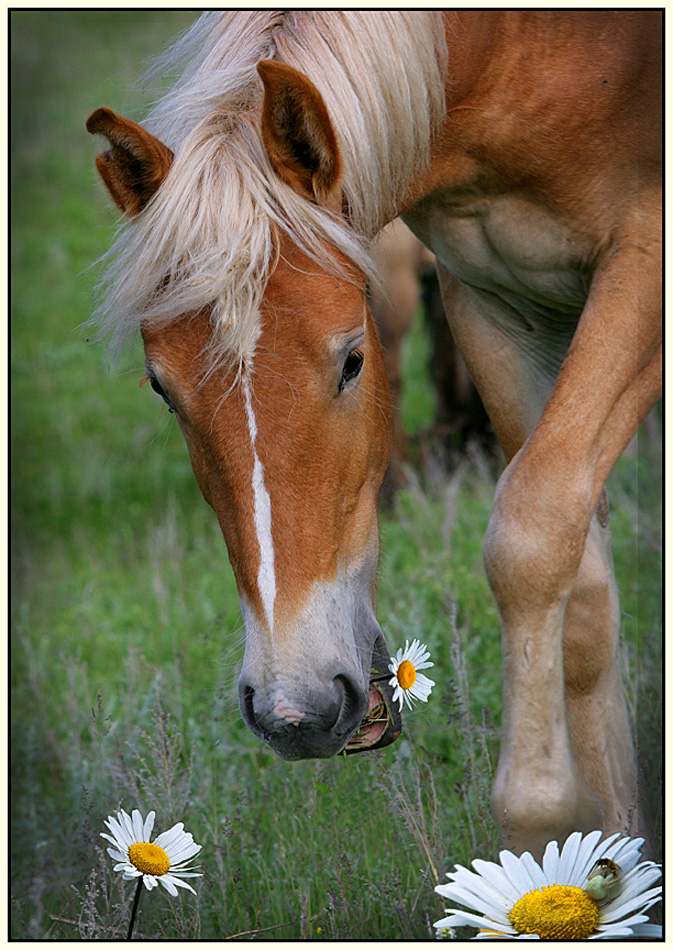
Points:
[(126, 630)]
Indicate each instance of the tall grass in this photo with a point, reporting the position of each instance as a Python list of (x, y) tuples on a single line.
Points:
[(126, 628)]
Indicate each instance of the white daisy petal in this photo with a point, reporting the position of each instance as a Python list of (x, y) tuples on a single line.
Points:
[(447, 922), (148, 826), (650, 876), (166, 838), (120, 833), (174, 841), (185, 853), (167, 882), (490, 883), (180, 850), (472, 920), (480, 902), (619, 910), (421, 694), (177, 881), (625, 844), (149, 881), (568, 857), (498, 878), (418, 654), (631, 862), (517, 872), (550, 861), (137, 822), (638, 881), (114, 841), (424, 681), (487, 874), (617, 932), (632, 921), (112, 836), (183, 859), (117, 855), (126, 824), (533, 869)]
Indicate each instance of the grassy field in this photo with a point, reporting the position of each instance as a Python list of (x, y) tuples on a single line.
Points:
[(127, 635)]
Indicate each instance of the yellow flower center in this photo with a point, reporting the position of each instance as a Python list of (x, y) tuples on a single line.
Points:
[(149, 858), (406, 674), (557, 912)]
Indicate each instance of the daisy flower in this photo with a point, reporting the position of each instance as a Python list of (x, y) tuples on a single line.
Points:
[(592, 890), (164, 861), (408, 682)]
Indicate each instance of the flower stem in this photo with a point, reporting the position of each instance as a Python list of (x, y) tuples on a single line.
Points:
[(135, 906)]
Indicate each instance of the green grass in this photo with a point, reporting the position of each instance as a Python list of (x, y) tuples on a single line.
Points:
[(127, 635)]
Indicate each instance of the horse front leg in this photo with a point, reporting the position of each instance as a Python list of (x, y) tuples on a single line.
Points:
[(533, 553), (567, 760)]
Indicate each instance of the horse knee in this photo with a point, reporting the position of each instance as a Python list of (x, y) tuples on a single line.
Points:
[(531, 556)]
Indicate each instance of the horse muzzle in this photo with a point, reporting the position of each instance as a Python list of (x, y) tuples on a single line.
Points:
[(337, 714)]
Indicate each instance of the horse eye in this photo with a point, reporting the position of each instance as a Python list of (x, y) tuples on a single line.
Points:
[(352, 367), (157, 389)]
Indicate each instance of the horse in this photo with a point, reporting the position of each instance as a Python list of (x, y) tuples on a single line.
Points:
[(523, 148)]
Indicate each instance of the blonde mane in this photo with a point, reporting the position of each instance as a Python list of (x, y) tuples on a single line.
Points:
[(206, 239)]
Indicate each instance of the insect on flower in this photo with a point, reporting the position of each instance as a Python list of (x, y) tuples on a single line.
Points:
[(604, 880), (578, 892)]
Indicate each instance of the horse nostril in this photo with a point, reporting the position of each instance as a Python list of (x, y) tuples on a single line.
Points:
[(353, 705), (246, 701)]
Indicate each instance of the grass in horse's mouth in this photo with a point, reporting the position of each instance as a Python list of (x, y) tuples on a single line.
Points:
[(374, 722)]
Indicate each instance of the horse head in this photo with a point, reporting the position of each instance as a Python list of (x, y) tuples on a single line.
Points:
[(289, 441)]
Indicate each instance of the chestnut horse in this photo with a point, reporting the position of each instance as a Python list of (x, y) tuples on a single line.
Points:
[(524, 149)]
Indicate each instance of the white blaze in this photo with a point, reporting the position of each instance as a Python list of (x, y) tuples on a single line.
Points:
[(266, 576)]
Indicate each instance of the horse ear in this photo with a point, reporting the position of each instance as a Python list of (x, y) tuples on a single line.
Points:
[(136, 163), (298, 134)]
